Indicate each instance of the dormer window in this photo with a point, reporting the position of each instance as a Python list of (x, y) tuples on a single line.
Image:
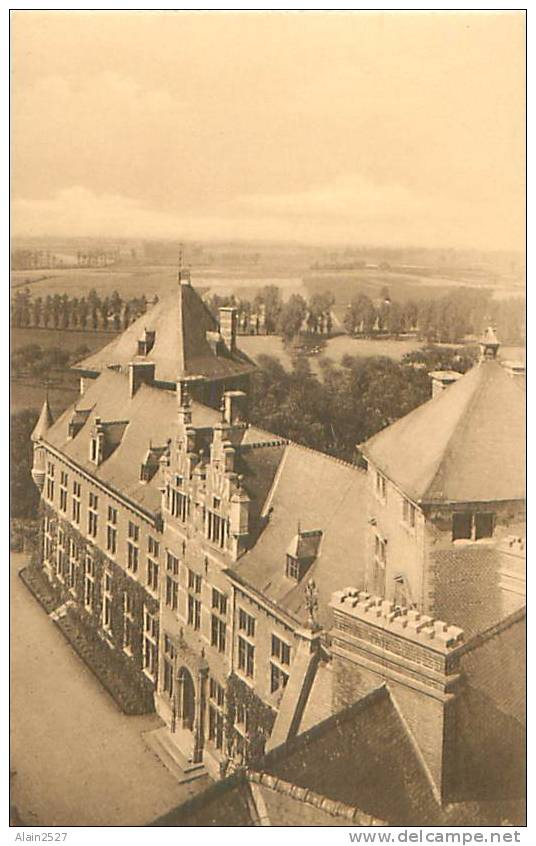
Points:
[(301, 553), (216, 503)]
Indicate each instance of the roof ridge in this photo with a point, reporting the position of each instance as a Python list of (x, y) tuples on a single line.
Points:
[(469, 404), (302, 794)]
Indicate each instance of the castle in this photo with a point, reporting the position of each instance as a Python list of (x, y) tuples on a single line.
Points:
[(261, 593)]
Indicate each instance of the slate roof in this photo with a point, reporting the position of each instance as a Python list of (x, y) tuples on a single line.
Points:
[(450, 448), (321, 493), (181, 347), (149, 417), (363, 757), (254, 798)]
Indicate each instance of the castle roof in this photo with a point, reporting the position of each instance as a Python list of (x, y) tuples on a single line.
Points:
[(184, 341), (146, 420), (466, 445), (326, 496), (44, 421)]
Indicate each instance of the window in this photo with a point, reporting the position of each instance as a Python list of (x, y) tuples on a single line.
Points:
[(64, 481), (467, 526), (177, 502), (111, 531), (278, 678), (216, 527), (169, 667), (132, 557), (381, 486), (280, 650), (194, 581), (218, 633), (484, 525), (246, 657), (280, 659), (60, 556), (293, 568), (150, 639), (77, 493), (92, 516), (73, 564), (133, 553), (89, 583), (461, 525), (153, 549), (50, 481), (107, 601), (194, 612), (48, 542), (128, 623), (219, 601), (172, 581), (408, 513), (246, 623), (218, 626), (216, 720)]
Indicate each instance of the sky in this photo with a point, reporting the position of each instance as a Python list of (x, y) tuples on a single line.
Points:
[(324, 128)]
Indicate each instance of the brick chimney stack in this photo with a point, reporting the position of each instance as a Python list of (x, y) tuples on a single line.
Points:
[(228, 321)]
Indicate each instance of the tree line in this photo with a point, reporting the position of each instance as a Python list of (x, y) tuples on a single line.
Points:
[(267, 313), (350, 402), (446, 319), (60, 311)]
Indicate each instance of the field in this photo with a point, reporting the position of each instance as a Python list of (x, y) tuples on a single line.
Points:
[(32, 394), (70, 340)]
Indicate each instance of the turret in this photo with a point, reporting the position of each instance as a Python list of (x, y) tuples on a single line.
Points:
[(40, 430)]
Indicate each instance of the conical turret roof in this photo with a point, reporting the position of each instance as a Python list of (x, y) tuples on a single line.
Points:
[(44, 421)]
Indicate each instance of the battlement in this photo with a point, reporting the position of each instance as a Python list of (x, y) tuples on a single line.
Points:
[(404, 622)]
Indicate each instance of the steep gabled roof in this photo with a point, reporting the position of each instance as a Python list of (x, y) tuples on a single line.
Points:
[(466, 445), (148, 419), (180, 323)]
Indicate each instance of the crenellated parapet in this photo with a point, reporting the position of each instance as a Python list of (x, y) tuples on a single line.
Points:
[(401, 622)]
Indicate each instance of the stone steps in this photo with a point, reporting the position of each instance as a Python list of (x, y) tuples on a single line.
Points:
[(161, 744)]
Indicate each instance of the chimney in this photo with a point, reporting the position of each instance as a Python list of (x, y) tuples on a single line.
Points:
[(228, 327), (234, 407), (146, 343), (420, 661), (441, 379), (140, 373)]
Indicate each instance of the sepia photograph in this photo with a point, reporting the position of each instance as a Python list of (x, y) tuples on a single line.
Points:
[(267, 436)]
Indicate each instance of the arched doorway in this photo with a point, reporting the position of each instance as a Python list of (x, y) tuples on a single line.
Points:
[(186, 702)]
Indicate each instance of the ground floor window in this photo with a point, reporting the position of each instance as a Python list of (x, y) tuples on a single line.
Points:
[(216, 719), (128, 623), (169, 667), (150, 637), (107, 602), (89, 583)]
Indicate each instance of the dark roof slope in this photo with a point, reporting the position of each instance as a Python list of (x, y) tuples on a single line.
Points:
[(319, 493), (449, 448), (180, 323), (364, 757)]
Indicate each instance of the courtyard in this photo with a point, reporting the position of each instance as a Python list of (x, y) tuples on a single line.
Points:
[(75, 758)]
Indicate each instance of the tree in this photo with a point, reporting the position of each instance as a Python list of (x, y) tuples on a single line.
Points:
[(24, 496), (291, 317)]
